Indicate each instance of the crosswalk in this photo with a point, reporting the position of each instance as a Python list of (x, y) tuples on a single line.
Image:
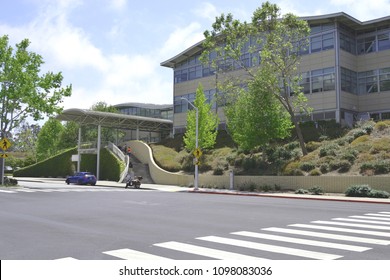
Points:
[(65, 190), (317, 240)]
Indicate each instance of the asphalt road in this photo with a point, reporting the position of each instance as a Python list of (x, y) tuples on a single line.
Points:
[(55, 221)]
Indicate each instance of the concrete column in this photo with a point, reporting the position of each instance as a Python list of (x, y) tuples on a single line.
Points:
[(98, 152), (78, 151)]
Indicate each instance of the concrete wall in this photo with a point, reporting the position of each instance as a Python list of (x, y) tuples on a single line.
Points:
[(333, 184)]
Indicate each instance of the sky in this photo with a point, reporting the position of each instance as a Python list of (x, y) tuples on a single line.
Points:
[(110, 50)]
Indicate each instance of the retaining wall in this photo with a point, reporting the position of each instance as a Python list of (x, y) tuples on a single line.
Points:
[(330, 184)]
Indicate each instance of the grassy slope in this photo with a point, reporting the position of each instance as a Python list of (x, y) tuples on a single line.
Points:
[(362, 150)]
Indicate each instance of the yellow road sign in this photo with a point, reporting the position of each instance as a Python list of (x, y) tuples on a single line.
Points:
[(3, 155), (197, 153), (5, 144)]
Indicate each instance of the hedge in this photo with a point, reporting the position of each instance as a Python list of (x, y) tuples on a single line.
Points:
[(61, 166)]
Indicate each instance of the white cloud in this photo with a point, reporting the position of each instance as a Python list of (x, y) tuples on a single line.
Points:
[(207, 10), (182, 38), (118, 4)]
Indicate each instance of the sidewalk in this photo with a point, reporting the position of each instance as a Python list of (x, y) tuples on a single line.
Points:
[(171, 188)]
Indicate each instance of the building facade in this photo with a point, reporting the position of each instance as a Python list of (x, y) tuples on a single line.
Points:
[(151, 133), (345, 72)]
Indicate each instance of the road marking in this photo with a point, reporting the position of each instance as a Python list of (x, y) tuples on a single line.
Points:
[(6, 191), (271, 248), (380, 214), (207, 252), (330, 236), (127, 254), (361, 221), (369, 232), (370, 218), (303, 241), (66, 259), (351, 225)]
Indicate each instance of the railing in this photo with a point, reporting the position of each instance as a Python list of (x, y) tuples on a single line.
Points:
[(125, 158)]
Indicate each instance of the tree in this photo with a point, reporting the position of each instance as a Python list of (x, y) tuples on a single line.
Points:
[(69, 135), (269, 41), (48, 143), (107, 134), (253, 123), (25, 137), (24, 91), (207, 124)]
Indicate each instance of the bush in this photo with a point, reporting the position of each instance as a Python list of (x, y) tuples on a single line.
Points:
[(382, 125), (379, 194), (312, 146), (307, 166), (301, 191), (358, 191), (329, 150), (379, 166), (315, 172), (10, 181), (316, 190)]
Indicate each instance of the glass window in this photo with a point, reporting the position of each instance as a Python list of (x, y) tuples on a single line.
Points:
[(383, 42), (368, 82), (366, 45), (316, 43), (348, 80), (305, 83), (384, 79), (328, 41)]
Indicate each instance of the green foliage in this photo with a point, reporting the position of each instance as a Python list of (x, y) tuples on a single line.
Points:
[(301, 191), (378, 166), (279, 47), (56, 166), (24, 91), (62, 166), (48, 141), (307, 166), (317, 190), (365, 191), (207, 124), (252, 122)]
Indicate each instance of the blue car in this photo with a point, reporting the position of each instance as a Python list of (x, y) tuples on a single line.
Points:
[(82, 178)]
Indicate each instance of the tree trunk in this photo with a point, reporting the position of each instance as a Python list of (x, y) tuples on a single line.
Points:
[(300, 137)]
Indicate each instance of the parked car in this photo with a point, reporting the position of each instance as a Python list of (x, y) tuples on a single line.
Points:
[(82, 178)]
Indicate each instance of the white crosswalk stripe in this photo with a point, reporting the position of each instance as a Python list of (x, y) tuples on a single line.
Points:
[(368, 232), (303, 241), (351, 225), (361, 221), (330, 236), (271, 248), (128, 254), (337, 239), (207, 252)]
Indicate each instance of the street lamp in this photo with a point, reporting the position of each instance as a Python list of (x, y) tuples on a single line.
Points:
[(196, 141)]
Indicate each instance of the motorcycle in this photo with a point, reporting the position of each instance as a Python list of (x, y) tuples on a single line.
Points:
[(134, 182)]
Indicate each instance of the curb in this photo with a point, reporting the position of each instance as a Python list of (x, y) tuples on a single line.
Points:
[(286, 196)]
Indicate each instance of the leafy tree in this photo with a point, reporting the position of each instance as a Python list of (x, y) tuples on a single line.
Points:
[(48, 143), (269, 41), (253, 123), (207, 123), (107, 134), (69, 135), (25, 138), (24, 91)]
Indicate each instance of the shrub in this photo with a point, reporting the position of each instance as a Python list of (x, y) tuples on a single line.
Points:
[(312, 146), (301, 191), (379, 194), (307, 166), (382, 125), (316, 190), (379, 166), (341, 165), (358, 191), (315, 172), (324, 168), (329, 150), (10, 181)]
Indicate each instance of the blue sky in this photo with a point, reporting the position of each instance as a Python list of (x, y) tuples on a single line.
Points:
[(111, 50)]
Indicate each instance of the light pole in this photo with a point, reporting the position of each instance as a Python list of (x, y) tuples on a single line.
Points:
[(196, 142)]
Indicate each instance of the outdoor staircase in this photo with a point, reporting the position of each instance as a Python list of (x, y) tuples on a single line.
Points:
[(141, 169)]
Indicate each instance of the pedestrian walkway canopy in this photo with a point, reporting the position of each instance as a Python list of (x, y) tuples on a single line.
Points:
[(114, 120)]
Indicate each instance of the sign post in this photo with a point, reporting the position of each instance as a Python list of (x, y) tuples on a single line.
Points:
[(4, 145)]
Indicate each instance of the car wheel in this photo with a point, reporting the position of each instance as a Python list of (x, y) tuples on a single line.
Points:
[(67, 181)]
